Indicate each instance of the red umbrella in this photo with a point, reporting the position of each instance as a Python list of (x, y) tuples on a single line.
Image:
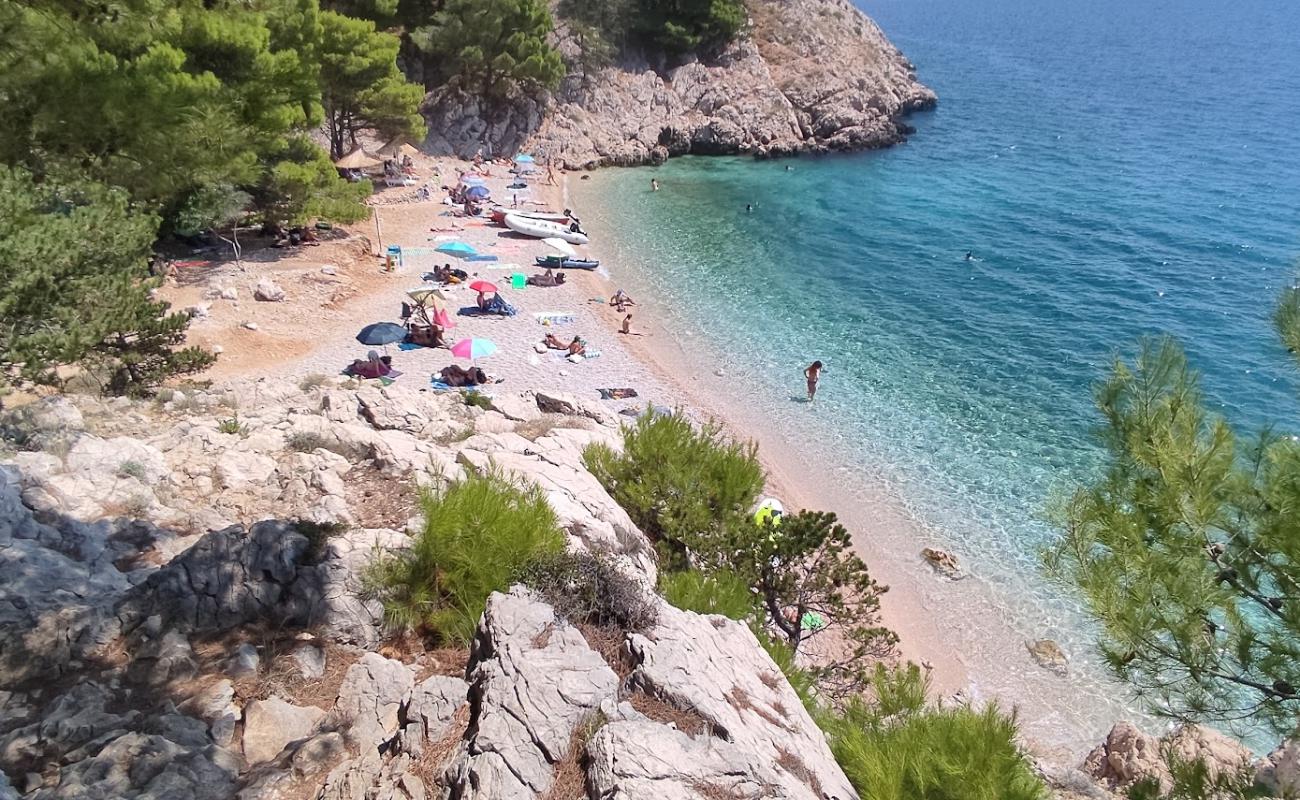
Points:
[(483, 286)]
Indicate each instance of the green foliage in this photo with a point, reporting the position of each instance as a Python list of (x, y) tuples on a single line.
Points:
[(685, 26), (1187, 549), (684, 487), (131, 469), (231, 426), (719, 593), (587, 587), (318, 535), (360, 85), (478, 536), (495, 46), (806, 568), (476, 400), (304, 184), (75, 287), (1193, 780), (192, 108), (900, 749)]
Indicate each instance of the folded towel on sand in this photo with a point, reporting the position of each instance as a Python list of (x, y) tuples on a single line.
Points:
[(555, 318)]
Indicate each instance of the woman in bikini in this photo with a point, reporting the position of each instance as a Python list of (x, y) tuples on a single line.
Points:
[(812, 375)]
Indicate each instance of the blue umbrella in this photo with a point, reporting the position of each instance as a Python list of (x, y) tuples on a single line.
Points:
[(523, 158), (458, 249), (478, 192), (381, 333)]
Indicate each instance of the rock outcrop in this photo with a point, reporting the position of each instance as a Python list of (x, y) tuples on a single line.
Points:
[(808, 76), (1128, 756)]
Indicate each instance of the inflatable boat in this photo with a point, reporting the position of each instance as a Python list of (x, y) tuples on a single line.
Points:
[(543, 229), (560, 262)]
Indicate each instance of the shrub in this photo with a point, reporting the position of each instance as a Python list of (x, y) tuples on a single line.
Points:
[(312, 381), (131, 469), (479, 533), (317, 534), (720, 593), (900, 748), (587, 587), (684, 486), (231, 426), (477, 400), (309, 442)]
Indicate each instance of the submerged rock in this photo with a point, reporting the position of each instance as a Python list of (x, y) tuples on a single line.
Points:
[(1049, 655), (943, 562)]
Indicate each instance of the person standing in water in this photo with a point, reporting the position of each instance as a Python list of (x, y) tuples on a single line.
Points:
[(812, 375), (749, 208), (654, 184)]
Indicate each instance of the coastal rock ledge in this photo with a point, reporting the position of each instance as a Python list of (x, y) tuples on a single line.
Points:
[(807, 76)]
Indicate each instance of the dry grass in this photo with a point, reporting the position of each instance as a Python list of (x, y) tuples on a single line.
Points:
[(543, 637), (278, 672), (543, 425), (434, 757), (712, 791), (608, 642), (770, 679), (569, 778), (740, 699), (379, 501), (794, 765), (690, 723)]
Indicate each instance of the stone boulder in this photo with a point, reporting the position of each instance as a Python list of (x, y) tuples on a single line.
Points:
[(331, 591), (571, 405), (1279, 771), (370, 700), (1220, 754), (422, 414), (228, 578), (1049, 655), (268, 291), (1127, 756), (943, 562), (715, 666), (428, 712), (649, 761), (534, 681), (55, 607), (240, 469), (271, 724)]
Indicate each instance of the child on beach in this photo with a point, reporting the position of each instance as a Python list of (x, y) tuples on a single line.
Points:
[(812, 375), (627, 324)]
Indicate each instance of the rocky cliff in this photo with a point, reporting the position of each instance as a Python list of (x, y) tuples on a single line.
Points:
[(182, 615), (806, 76)]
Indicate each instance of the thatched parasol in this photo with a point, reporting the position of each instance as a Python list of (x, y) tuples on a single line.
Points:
[(358, 159)]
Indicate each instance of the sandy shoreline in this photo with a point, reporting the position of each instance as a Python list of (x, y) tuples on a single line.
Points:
[(334, 290)]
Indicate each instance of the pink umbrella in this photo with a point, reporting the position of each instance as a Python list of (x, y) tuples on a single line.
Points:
[(473, 348), (443, 320), (483, 286)]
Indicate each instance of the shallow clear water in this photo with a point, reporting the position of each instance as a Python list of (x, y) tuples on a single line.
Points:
[(1116, 167)]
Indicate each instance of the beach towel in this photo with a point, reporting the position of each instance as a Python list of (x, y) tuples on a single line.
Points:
[(498, 305), (481, 257), (442, 386), (555, 318), (617, 394)]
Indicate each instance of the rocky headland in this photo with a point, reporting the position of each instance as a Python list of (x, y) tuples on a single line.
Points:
[(806, 76), (183, 614)]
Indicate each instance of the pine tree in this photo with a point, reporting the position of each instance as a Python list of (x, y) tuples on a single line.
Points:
[(496, 46), (76, 288), (1187, 549), (361, 86)]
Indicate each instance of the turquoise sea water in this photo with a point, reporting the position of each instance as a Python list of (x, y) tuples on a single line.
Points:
[(1117, 168)]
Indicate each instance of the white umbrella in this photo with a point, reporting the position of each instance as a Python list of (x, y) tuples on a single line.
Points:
[(563, 246)]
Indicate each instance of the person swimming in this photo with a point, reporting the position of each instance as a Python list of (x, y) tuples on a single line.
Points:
[(749, 208), (654, 184), (969, 256)]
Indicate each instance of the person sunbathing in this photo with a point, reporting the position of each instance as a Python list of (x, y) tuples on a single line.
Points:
[(373, 367), (454, 375), (577, 347), (554, 343)]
